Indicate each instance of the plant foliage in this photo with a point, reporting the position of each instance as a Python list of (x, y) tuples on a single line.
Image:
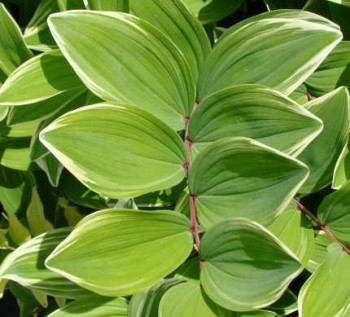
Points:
[(179, 158)]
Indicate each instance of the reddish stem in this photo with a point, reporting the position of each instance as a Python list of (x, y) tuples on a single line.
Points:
[(322, 226), (194, 222)]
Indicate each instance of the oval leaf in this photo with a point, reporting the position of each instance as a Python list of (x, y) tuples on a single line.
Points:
[(254, 112), (40, 78), (243, 55), (125, 152), (155, 77), (135, 249), (242, 177), (332, 277), (322, 154), (245, 267)]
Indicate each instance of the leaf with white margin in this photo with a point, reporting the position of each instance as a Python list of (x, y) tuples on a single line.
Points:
[(135, 250), (255, 112), (118, 151), (322, 154), (26, 266), (243, 54), (327, 292), (245, 267), (155, 77), (240, 177)]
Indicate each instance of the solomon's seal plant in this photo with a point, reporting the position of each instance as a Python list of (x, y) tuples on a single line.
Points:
[(153, 166)]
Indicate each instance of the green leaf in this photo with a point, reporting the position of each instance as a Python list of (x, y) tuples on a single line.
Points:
[(213, 10), (284, 4), (37, 221), (334, 212), (189, 300), (52, 168), (319, 254), (327, 292), (243, 54), (71, 4), (93, 306), (37, 33), (322, 154), (255, 112), (109, 5), (242, 177), (17, 231), (342, 168), (43, 76), (295, 231), (245, 267), (333, 72), (156, 75), (40, 110), (147, 156), (26, 266), (13, 50), (135, 249), (146, 304), (15, 190), (174, 19), (287, 304), (25, 299), (15, 153)]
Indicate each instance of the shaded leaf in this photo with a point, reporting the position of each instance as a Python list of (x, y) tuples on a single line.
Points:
[(37, 34), (43, 76), (93, 306), (245, 267), (287, 304), (255, 112), (322, 154), (156, 74), (319, 254), (52, 168), (242, 177), (333, 72), (26, 266), (17, 231), (342, 168), (13, 51), (147, 156), (109, 5), (213, 10), (144, 246), (146, 304), (37, 221)]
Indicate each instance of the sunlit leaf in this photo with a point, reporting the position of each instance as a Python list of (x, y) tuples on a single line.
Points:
[(242, 177), (156, 75), (327, 291), (245, 267), (243, 54), (179, 25), (255, 112), (144, 246), (146, 156), (322, 154)]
